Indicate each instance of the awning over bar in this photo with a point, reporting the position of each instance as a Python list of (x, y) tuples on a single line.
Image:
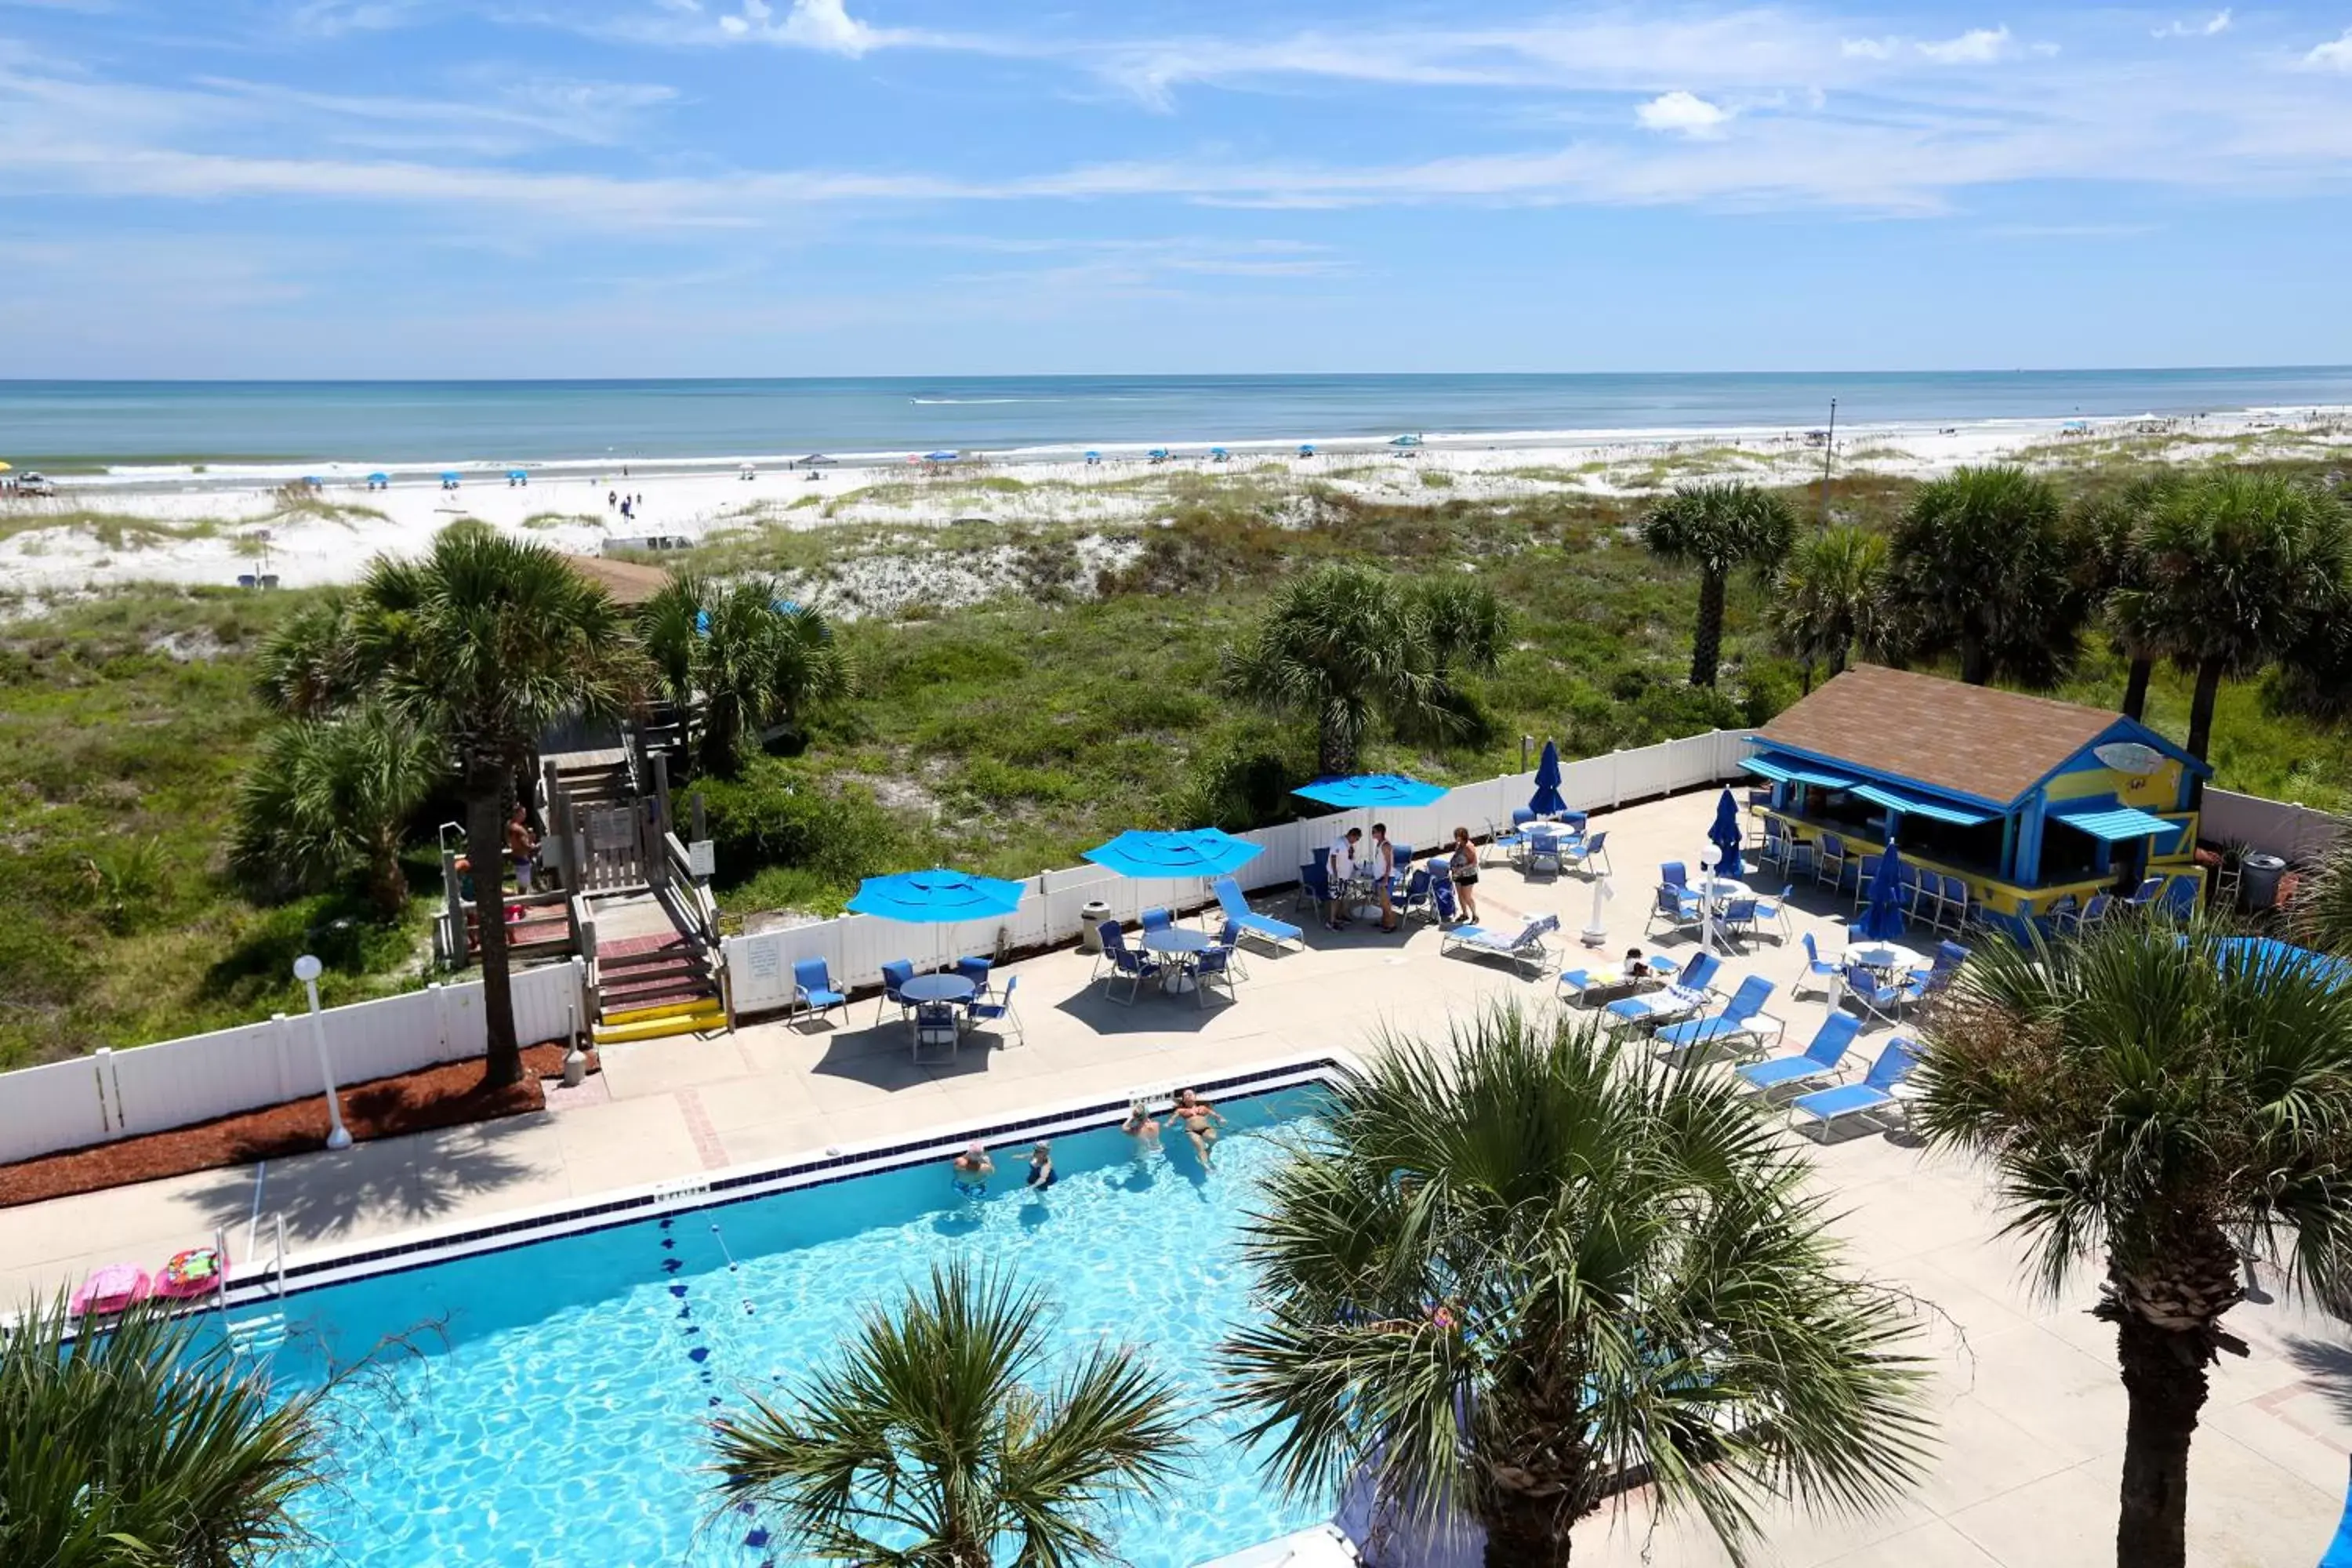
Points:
[(1782, 768), (2115, 823), (1911, 804)]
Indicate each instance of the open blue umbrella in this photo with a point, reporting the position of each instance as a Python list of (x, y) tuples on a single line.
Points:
[(518, 476), (1372, 791), (1306, 448), (1883, 921), (1199, 852), (1547, 801), (938, 897), (940, 456), (380, 479), (1726, 835)]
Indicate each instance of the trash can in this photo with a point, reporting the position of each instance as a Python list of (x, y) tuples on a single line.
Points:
[(2261, 872), (1090, 919)]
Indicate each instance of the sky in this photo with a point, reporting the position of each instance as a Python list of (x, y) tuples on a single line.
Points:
[(303, 188)]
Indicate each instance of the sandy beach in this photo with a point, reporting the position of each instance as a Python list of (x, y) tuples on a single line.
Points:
[(220, 525)]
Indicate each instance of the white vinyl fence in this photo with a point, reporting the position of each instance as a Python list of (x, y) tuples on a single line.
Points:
[(151, 1088), (2295, 834), (855, 947)]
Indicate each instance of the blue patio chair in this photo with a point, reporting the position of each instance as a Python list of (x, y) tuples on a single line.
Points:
[(1682, 998), (2090, 914), (2060, 912), (1774, 848), (1441, 898), (1819, 1060), (1591, 856), (1231, 936), (1830, 860), (1738, 919), (1416, 898), (1673, 907), (936, 1026), (1521, 816), (1827, 1106), (894, 973), (1543, 853), (812, 990), (1212, 966), (999, 1012), (1574, 821), (1880, 999), (1673, 875), (1248, 922), (1819, 973), (1950, 953), (1776, 909), (1131, 965), (1315, 886), (1953, 907), (2146, 893), (1869, 874), (1919, 894), (1157, 920), (976, 971), (1740, 1026)]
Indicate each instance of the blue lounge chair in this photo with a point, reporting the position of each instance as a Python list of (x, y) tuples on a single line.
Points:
[(1157, 920), (894, 973), (812, 990), (1875, 1092), (1523, 947), (1240, 916), (1740, 1026), (1819, 1060), (1682, 998), (1131, 965), (1820, 975), (999, 1013), (1590, 855), (1575, 983)]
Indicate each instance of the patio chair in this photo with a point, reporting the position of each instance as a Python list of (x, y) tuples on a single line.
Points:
[(1591, 856), (1677, 908), (1131, 965), (1921, 894), (1441, 898), (1523, 947), (1875, 1092), (1776, 909), (1312, 878), (1504, 842), (1574, 821), (1952, 910), (2090, 914), (1682, 998), (894, 973), (1416, 897), (1672, 874), (1212, 966), (812, 991), (2065, 908), (1231, 936), (1819, 973), (999, 1013), (1248, 922), (1820, 1059), (936, 1026), (2146, 893), (1738, 919), (976, 971), (1773, 849), (1740, 1025), (1830, 860), (1869, 873), (1543, 854), (1156, 919), (1880, 998)]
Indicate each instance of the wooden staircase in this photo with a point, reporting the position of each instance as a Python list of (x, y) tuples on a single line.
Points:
[(649, 986), (544, 931)]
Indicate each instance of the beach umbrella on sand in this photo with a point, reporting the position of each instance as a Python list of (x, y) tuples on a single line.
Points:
[(518, 476), (1306, 449), (940, 456), (1094, 457), (449, 478), (1218, 454), (1726, 835), (939, 897), (1883, 921), (1547, 801), (378, 482)]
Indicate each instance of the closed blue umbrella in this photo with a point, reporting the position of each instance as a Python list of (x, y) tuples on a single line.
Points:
[(1547, 801), (1199, 852), (1883, 921), (1726, 835), (940, 456), (1372, 791)]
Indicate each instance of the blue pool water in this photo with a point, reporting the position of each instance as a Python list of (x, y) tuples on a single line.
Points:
[(554, 1405)]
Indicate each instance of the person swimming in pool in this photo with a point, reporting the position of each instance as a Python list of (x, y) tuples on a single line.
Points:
[(972, 1168), (1200, 1120), (1141, 1126), (1041, 1166)]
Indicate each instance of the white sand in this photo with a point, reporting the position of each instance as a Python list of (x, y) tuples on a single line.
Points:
[(211, 529)]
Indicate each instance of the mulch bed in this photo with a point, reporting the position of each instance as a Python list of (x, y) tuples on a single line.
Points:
[(444, 1096)]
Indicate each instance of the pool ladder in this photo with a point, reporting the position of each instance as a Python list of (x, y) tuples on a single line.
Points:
[(263, 1332)]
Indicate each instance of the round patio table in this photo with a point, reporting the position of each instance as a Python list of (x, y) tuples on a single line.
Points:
[(1726, 888), (1886, 957), (1176, 941), (939, 988)]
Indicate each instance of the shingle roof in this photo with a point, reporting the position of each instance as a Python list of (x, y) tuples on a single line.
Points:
[(1973, 741)]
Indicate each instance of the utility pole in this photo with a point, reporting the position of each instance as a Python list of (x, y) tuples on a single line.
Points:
[(1828, 451)]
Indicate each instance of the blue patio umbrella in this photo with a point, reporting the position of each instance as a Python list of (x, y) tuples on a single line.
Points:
[(1725, 834), (937, 897), (1306, 448), (1883, 921), (1372, 791), (1158, 454), (1094, 457), (514, 475), (448, 475), (379, 479), (1199, 852), (1219, 454), (1547, 801)]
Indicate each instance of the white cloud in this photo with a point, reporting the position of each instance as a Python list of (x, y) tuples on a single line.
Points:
[(2335, 55), (823, 24), (1684, 114), (1978, 46), (1870, 48), (2218, 23)]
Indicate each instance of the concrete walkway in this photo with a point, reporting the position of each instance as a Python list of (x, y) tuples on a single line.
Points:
[(2030, 1411)]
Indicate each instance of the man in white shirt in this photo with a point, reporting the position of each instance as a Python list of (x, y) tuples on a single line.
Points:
[(1342, 871)]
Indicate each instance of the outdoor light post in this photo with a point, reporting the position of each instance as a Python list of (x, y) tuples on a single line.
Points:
[(307, 970)]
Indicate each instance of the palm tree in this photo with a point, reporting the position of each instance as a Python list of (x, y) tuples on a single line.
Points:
[(932, 1446), (2233, 569), (326, 794), (741, 655), (1347, 645), (305, 668), (2321, 913), (1825, 602), (1468, 625), (486, 641), (2159, 1100), (2105, 534), (1718, 528), (142, 1444), (1517, 1266), (1977, 566)]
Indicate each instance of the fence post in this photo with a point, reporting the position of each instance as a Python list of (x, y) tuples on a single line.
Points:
[(286, 1047), (105, 1071), (1617, 778), (440, 1017)]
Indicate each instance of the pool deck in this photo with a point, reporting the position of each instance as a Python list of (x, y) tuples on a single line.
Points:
[(2030, 1409)]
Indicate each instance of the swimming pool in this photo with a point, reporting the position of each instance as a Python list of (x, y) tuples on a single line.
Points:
[(554, 1408)]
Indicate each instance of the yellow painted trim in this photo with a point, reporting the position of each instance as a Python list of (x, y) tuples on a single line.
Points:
[(666, 1010), (2009, 898), (714, 1017)]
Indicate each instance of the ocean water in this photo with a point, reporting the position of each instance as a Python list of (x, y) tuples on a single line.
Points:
[(173, 425), (555, 1402)]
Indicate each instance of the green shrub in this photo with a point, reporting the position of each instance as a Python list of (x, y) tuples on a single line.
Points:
[(781, 813)]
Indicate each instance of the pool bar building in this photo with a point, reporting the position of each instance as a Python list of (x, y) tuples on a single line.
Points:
[(2036, 805)]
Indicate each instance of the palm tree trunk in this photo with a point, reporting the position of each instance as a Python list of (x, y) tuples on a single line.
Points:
[(1525, 1531), (1335, 748), (2136, 688), (387, 884), (1805, 679), (487, 790), (1706, 646), (2200, 707), (2164, 1383), (1976, 658)]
